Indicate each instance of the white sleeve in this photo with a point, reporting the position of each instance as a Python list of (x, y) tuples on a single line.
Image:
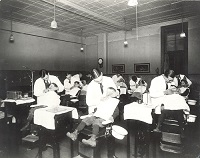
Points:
[(39, 88), (189, 82), (67, 85), (58, 83), (175, 81), (132, 85), (92, 99), (157, 88), (112, 84)]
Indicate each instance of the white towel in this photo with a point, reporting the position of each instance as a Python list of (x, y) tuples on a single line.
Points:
[(45, 116), (140, 112), (20, 101), (171, 102)]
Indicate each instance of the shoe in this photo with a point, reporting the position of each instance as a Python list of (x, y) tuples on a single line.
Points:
[(72, 136), (91, 142), (157, 130)]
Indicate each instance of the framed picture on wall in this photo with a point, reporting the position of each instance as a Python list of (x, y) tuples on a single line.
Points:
[(118, 68), (142, 68)]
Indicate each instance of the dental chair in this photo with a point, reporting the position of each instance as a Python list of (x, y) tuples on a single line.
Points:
[(104, 138), (82, 107), (172, 135)]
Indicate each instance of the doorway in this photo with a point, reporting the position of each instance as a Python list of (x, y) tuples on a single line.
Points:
[(174, 49)]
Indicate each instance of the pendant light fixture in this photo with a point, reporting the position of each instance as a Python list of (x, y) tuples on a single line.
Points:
[(54, 23), (82, 49), (136, 21), (125, 40), (182, 35), (11, 38), (132, 3)]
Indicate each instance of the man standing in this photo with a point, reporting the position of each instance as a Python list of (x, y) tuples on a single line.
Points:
[(41, 86), (167, 100), (97, 89), (67, 83)]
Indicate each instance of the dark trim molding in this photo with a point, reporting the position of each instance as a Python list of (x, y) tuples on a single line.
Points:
[(42, 36)]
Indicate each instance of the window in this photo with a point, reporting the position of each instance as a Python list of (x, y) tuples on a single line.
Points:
[(174, 48)]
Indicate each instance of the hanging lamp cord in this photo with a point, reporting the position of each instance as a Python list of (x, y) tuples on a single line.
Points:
[(136, 18), (54, 10)]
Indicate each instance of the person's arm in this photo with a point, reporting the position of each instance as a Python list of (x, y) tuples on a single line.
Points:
[(186, 92), (67, 85), (132, 85), (55, 80), (112, 84), (157, 88), (39, 87), (145, 83), (92, 99), (189, 82), (120, 79), (175, 81)]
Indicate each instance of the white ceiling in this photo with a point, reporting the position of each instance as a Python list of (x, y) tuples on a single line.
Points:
[(96, 16)]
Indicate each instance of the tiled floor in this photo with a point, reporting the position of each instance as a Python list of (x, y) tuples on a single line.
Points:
[(192, 146)]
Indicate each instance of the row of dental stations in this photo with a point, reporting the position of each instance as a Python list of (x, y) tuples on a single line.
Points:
[(97, 100)]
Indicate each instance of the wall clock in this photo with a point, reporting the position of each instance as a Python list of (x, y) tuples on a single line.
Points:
[(100, 62)]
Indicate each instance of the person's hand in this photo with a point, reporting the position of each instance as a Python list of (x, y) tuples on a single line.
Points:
[(178, 91), (168, 92), (111, 119), (53, 89), (46, 90), (104, 98), (175, 90)]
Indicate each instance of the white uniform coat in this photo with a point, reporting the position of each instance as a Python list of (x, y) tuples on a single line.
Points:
[(181, 77), (171, 102), (39, 87), (106, 108), (94, 94)]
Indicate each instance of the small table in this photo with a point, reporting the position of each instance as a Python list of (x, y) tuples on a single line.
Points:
[(49, 121), (142, 113), (18, 109)]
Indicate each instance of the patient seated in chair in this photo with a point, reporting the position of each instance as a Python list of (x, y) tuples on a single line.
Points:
[(50, 99), (173, 105), (183, 89), (103, 113)]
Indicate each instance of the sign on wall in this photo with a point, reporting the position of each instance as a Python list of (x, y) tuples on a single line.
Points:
[(118, 68), (142, 68)]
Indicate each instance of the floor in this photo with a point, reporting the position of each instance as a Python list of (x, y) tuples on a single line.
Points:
[(191, 148)]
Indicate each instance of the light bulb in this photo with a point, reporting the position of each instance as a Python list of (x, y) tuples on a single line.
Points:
[(11, 39), (182, 35), (125, 43), (82, 49), (132, 3), (54, 24)]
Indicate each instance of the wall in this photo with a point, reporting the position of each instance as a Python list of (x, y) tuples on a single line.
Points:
[(194, 46), (146, 48), (38, 48)]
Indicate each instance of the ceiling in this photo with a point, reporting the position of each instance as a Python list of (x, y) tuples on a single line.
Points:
[(96, 16)]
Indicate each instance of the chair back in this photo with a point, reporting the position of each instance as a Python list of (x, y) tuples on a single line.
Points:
[(82, 104), (82, 100)]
